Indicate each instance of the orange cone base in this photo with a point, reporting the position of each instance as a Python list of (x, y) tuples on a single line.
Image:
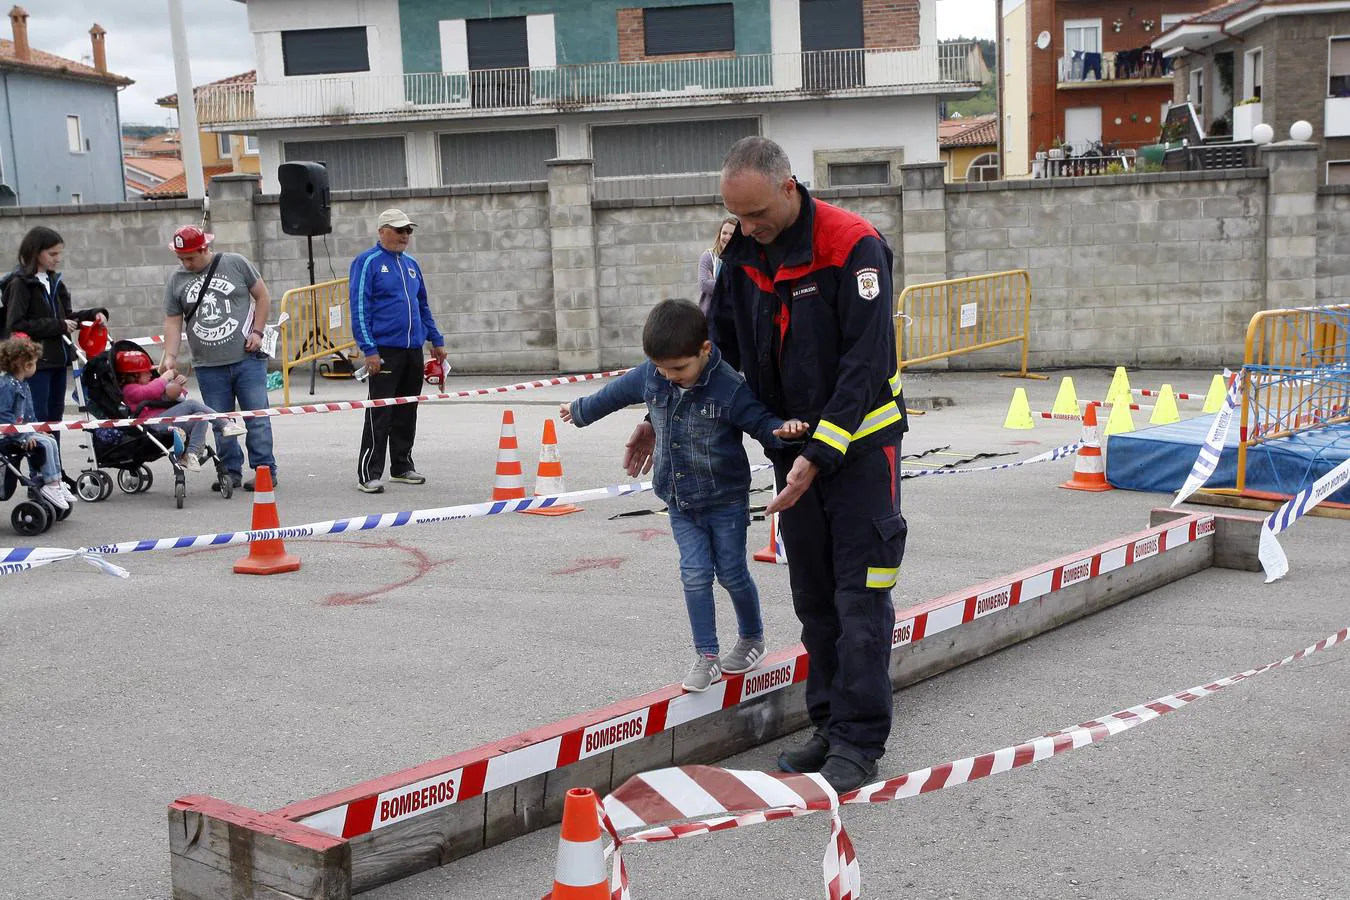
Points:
[(1083, 484), (766, 555), (561, 509), (267, 563)]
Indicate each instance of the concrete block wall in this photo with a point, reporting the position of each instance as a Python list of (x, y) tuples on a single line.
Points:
[(486, 255), (1158, 270), (117, 255), (1333, 244)]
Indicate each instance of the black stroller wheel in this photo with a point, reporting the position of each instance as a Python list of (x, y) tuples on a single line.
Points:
[(29, 518), (105, 484), (129, 480), (62, 514), (146, 477), (179, 493), (89, 487)]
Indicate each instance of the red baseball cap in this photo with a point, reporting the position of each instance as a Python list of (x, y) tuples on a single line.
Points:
[(190, 239)]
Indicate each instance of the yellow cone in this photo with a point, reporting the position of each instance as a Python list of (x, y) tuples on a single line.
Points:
[(1120, 422), (1066, 401), (1165, 411), (1019, 411), (1217, 391), (1120, 387)]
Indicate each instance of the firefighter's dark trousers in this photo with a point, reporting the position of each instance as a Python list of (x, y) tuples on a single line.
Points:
[(844, 539)]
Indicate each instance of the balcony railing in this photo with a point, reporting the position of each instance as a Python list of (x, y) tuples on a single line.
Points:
[(593, 86)]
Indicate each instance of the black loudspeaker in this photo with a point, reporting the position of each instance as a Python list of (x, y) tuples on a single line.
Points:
[(304, 198)]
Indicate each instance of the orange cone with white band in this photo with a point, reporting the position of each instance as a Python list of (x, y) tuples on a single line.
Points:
[(510, 484), (580, 873), (549, 479), (1089, 467), (774, 552), (266, 557)]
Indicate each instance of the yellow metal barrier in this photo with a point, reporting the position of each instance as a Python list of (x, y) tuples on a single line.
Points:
[(942, 319), (1296, 376), (319, 326)]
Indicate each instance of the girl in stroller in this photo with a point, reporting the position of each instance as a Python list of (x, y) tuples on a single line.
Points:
[(18, 361), (166, 395)]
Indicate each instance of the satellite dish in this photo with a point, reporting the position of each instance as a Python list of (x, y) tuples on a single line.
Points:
[(1043, 40)]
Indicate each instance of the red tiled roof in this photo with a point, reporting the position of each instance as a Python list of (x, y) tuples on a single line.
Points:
[(161, 167), (974, 131), (40, 61), (177, 186), (161, 144), (249, 77)]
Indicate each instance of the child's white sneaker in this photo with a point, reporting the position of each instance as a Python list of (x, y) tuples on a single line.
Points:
[(192, 461), (233, 428), (54, 495), (69, 495)]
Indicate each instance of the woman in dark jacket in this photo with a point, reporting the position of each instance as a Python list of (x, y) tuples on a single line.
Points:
[(38, 304)]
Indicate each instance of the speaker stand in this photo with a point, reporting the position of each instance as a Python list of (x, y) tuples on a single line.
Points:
[(313, 341)]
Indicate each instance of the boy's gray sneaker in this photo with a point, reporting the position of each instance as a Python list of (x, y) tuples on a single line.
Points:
[(373, 486), (409, 477), (745, 656), (704, 673)]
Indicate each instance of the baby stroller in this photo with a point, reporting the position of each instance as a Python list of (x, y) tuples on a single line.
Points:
[(128, 449), (36, 513)]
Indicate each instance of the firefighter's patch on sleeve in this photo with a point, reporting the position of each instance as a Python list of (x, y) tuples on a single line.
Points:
[(869, 284)]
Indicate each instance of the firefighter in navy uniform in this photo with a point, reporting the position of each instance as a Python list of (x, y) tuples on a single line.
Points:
[(803, 309)]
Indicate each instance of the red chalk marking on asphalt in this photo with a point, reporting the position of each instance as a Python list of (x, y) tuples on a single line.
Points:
[(421, 563), (585, 565), (646, 534)]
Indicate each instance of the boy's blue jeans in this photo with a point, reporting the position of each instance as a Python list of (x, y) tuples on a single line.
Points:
[(712, 543), (245, 381)]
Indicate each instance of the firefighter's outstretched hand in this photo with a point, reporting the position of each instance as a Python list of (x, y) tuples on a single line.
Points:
[(792, 429), (799, 478)]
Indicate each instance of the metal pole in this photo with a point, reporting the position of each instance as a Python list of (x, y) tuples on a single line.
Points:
[(187, 104)]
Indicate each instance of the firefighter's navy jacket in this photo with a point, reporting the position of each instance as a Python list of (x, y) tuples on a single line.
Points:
[(816, 340)]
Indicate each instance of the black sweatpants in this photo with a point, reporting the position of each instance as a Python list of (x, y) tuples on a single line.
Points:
[(394, 427), (845, 539)]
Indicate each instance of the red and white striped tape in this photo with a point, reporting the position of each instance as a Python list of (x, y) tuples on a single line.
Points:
[(694, 791), (305, 409), (377, 804)]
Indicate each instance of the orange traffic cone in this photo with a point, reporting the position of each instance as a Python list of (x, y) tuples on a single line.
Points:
[(1089, 469), (774, 552), (549, 478), (267, 557), (510, 484), (580, 873)]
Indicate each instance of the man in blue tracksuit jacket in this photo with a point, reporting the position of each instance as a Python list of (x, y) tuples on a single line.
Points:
[(391, 321)]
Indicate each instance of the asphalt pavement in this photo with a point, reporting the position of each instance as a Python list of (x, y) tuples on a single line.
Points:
[(390, 648)]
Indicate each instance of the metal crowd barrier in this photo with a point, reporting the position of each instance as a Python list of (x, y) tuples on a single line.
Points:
[(1296, 376), (943, 319), (319, 327)]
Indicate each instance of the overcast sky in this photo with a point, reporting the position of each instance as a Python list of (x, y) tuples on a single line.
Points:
[(219, 44)]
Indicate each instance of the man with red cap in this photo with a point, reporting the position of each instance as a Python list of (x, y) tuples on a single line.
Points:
[(222, 301)]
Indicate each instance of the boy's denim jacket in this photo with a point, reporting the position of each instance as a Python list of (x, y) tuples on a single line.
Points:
[(700, 452)]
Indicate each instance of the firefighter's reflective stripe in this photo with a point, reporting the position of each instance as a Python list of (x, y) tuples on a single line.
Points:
[(882, 578), (895, 384), (833, 435), (877, 419)]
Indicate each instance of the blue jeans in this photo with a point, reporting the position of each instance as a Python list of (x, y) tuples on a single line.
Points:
[(246, 382), (712, 542)]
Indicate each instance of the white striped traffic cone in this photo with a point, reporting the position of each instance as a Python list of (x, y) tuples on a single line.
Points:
[(580, 872), (510, 483), (549, 479), (1089, 468)]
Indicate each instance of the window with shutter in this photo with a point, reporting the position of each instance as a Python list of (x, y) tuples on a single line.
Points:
[(705, 28), (499, 62), (1338, 70), (325, 51), (358, 163)]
